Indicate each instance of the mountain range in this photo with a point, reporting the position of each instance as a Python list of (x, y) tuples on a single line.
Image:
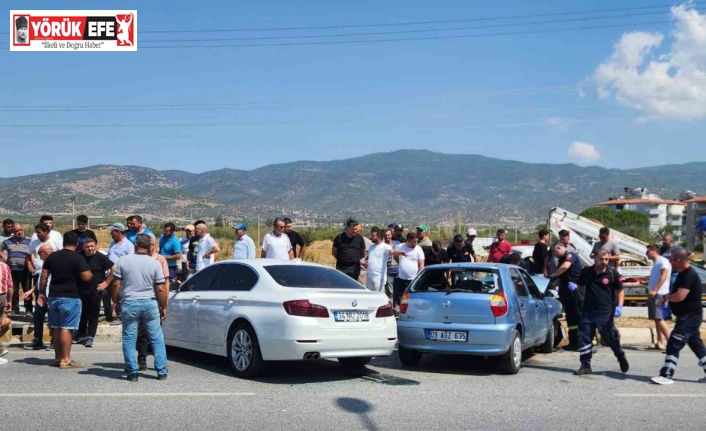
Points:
[(409, 186)]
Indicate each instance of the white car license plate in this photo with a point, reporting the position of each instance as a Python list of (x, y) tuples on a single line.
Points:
[(351, 316), (451, 336)]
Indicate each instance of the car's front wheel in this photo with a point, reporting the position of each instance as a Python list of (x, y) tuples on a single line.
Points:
[(357, 362), (511, 361), (409, 358), (548, 345), (244, 351)]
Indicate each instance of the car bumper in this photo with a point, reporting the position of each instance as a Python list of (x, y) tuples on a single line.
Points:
[(292, 344), (490, 340)]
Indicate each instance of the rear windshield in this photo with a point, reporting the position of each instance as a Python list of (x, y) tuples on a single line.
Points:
[(313, 277), (458, 280)]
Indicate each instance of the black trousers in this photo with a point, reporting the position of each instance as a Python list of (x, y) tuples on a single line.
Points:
[(589, 322), (351, 270), (398, 290), (687, 330), (21, 279), (571, 302), (90, 309), (143, 343), (107, 304)]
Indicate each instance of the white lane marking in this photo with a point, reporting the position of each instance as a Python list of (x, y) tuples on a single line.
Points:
[(125, 394), (661, 395)]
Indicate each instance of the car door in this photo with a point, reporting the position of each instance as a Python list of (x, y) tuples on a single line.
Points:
[(528, 306), (231, 283), (543, 323), (182, 316)]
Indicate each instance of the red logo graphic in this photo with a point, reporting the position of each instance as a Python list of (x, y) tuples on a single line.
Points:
[(606, 281)]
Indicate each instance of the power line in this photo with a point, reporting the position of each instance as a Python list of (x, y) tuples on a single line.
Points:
[(465, 36), (317, 36)]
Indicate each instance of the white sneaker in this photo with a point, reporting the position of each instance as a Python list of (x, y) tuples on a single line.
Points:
[(662, 380), (3, 361)]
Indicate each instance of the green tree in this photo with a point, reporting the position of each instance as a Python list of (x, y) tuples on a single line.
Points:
[(633, 223), (602, 215), (219, 221)]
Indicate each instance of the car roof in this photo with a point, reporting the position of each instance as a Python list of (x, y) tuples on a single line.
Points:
[(474, 265), (262, 263)]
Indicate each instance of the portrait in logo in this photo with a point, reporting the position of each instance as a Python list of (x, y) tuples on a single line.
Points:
[(22, 30)]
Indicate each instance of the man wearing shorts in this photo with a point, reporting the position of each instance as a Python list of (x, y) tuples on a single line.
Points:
[(66, 268), (658, 287)]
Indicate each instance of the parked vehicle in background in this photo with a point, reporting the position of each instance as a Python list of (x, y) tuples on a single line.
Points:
[(259, 310), (484, 309)]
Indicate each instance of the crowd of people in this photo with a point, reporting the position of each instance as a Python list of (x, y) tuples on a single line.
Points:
[(68, 278)]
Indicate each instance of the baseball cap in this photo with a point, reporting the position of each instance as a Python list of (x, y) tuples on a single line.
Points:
[(240, 226), (117, 226), (472, 232), (423, 227), (397, 226), (189, 227)]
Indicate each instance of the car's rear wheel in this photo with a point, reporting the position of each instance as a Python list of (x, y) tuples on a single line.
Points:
[(548, 345), (244, 351), (409, 358), (357, 362), (511, 361)]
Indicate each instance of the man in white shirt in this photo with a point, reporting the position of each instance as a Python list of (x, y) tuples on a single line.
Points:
[(56, 239), (276, 244), (208, 248), (411, 261), (376, 261), (658, 287)]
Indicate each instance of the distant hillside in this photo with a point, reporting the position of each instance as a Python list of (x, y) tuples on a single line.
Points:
[(407, 185)]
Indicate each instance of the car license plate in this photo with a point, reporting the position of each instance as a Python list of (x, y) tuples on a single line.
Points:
[(351, 316), (451, 336)]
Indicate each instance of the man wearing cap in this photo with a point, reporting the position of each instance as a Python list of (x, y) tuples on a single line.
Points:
[(21, 36), (397, 230), (184, 241), (470, 237), (244, 247), (119, 247), (66, 268), (170, 248), (422, 235)]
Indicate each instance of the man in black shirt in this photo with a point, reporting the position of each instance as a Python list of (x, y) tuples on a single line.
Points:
[(193, 250), (348, 248), (102, 269), (82, 232), (685, 302), (66, 268), (295, 239), (459, 251), (568, 271), (436, 255), (540, 253), (603, 301)]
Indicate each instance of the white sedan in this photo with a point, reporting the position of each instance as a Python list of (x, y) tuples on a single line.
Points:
[(260, 310)]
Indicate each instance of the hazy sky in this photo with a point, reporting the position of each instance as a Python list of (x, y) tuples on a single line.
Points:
[(614, 83)]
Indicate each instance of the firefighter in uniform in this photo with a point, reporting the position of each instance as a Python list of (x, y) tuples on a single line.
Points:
[(603, 301), (567, 272)]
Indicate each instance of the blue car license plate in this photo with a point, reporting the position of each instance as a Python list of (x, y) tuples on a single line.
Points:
[(449, 336)]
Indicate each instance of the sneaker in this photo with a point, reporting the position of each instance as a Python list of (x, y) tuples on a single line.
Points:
[(583, 371), (50, 346), (35, 345), (3, 361), (661, 380), (116, 322), (89, 342), (161, 376), (624, 366), (132, 377)]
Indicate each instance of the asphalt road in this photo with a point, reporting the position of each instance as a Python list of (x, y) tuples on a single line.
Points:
[(444, 393)]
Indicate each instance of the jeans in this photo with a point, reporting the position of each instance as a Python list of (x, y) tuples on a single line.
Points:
[(136, 312), (65, 313), (687, 330), (90, 308), (173, 274)]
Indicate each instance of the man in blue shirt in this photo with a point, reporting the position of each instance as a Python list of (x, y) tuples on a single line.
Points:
[(119, 247), (244, 245), (170, 248), (134, 222)]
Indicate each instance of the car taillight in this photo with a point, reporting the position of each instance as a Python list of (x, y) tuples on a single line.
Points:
[(498, 304), (404, 303), (302, 307), (385, 311)]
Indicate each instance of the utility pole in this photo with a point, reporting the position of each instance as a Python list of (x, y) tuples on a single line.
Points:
[(73, 214), (258, 228)]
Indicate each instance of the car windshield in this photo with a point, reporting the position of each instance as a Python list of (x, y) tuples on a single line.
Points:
[(475, 280), (312, 277)]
